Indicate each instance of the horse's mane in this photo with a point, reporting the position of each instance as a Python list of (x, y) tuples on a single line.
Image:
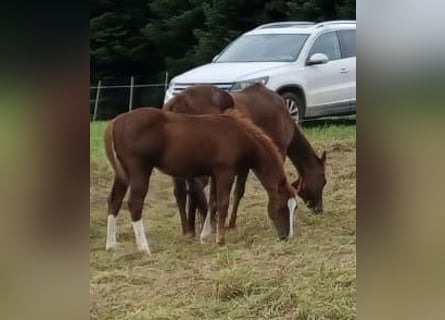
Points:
[(256, 132)]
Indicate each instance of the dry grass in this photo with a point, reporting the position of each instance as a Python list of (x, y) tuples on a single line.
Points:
[(254, 276)]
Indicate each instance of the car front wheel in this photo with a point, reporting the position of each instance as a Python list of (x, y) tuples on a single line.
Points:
[(294, 104)]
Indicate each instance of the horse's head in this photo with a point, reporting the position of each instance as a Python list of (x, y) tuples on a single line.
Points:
[(310, 187), (281, 209)]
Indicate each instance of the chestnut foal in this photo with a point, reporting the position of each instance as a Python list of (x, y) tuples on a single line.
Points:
[(219, 146)]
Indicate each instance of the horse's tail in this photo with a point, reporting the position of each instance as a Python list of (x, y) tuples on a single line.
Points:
[(110, 151)]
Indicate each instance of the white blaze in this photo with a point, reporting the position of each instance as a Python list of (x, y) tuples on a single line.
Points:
[(111, 232), (139, 233), (292, 205)]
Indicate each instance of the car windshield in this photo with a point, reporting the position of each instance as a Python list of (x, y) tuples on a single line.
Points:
[(264, 48)]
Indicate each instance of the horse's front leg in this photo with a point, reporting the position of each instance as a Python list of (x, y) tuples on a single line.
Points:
[(197, 200), (207, 227), (180, 191), (240, 187), (223, 183)]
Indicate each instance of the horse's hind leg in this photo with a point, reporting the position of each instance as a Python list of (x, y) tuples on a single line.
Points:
[(179, 189), (240, 187), (139, 180), (115, 198)]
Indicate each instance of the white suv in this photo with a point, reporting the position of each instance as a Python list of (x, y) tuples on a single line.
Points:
[(312, 66)]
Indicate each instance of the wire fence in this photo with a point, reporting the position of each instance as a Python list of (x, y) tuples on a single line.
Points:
[(111, 100), (106, 101)]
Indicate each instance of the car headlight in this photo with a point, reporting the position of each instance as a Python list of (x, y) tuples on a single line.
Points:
[(240, 85)]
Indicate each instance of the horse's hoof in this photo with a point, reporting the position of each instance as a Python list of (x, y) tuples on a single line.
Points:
[(110, 246), (146, 251), (205, 233), (202, 238)]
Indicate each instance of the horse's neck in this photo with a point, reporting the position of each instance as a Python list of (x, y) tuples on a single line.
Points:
[(301, 154), (268, 170)]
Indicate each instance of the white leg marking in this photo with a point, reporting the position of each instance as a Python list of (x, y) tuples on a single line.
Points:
[(229, 211), (139, 233), (206, 229), (292, 205), (111, 232), (229, 215)]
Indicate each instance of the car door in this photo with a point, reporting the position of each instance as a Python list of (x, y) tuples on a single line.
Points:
[(326, 84), (348, 53)]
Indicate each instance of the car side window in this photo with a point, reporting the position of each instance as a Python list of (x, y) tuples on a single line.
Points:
[(328, 44), (347, 43)]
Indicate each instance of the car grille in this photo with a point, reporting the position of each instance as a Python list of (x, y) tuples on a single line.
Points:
[(179, 87)]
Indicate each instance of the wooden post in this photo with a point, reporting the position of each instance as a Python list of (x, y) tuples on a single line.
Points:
[(96, 103), (166, 81), (130, 102)]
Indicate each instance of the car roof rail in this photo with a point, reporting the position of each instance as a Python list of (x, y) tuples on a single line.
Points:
[(333, 22), (285, 24)]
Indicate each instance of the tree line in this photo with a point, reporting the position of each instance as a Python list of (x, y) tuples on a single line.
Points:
[(145, 38)]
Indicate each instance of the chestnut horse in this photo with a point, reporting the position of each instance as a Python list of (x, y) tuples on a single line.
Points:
[(180, 145), (268, 111)]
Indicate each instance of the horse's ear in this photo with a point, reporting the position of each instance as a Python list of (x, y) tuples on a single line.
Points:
[(222, 99), (323, 157)]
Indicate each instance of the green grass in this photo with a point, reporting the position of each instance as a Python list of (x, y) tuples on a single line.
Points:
[(254, 276)]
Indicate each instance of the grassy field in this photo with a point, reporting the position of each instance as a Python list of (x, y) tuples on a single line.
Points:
[(254, 276)]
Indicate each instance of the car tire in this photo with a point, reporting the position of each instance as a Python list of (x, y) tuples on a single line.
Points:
[(295, 104)]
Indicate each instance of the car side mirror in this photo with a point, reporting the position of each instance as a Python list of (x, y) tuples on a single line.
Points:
[(317, 58)]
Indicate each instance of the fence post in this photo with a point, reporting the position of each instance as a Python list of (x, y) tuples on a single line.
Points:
[(166, 81), (130, 103), (96, 102)]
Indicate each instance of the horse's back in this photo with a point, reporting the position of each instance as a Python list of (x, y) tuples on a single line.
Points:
[(264, 107), (196, 145), (209, 132), (175, 131), (200, 99)]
